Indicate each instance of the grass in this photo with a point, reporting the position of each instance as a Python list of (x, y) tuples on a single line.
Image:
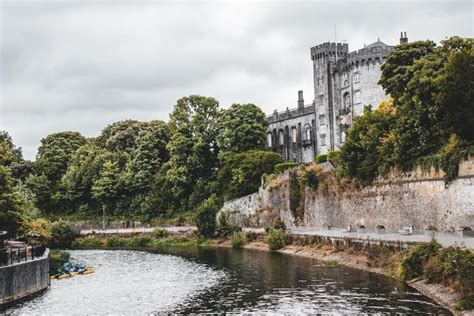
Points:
[(137, 242)]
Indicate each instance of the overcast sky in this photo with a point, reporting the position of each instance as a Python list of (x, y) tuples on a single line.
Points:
[(81, 65)]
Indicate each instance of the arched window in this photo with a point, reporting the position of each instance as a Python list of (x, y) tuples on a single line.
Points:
[(281, 138), (347, 100), (307, 133), (269, 140), (293, 134)]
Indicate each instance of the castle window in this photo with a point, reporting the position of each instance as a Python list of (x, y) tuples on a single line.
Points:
[(323, 139), (356, 77), (346, 83), (322, 119), (293, 134), (357, 97), (347, 100), (269, 140), (307, 133), (280, 137)]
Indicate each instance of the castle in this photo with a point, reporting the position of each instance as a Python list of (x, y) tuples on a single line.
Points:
[(344, 82)]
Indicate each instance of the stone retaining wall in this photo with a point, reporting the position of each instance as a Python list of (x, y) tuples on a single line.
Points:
[(417, 198), (22, 279)]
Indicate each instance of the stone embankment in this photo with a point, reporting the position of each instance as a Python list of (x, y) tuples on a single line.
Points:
[(417, 200), (20, 280)]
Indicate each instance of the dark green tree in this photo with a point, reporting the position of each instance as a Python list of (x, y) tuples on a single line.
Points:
[(242, 127), (241, 173)]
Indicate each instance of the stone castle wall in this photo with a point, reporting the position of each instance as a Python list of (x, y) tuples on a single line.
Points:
[(416, 199)]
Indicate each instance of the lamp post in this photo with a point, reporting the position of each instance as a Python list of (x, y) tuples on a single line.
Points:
[(103, 217)]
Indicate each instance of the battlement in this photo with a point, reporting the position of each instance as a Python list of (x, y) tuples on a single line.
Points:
[(290, 113), (375, 52), (328, 49)]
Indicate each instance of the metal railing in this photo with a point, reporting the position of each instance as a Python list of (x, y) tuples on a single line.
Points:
[(9, 256)]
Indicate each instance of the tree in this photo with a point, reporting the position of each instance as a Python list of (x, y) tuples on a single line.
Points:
[(193, 151), (19, 167), (241, 173), (105, 189), (367, 147), (242, 127), (10, 201), (206, 217)]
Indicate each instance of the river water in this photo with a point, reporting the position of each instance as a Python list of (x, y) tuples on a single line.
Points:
[(222, 280)]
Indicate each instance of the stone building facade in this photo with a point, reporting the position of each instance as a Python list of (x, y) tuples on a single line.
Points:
[(344, 82)]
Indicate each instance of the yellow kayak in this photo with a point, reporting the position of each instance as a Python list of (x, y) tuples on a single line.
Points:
[(64, 276), (88, 271)]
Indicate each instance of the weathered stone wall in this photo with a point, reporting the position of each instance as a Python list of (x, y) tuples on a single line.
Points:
[(22, 279), (416, 199)]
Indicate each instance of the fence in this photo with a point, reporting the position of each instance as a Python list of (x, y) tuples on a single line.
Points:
[(10, 256)]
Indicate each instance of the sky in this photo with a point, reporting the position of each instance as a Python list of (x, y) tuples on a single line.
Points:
[(80, 64)]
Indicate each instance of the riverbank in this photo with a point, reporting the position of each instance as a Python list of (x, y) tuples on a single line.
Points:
[(443, 295)]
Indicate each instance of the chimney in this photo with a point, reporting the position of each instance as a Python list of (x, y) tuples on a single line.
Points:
[(300, 99), (403, 37)]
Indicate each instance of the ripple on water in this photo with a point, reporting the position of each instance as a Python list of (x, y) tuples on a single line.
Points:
[(124, 281)]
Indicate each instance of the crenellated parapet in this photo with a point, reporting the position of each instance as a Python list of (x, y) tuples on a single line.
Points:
[(371, 54), (290, 113), (329, 50)]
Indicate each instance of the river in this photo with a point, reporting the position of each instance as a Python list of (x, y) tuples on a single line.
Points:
[(221, 280)]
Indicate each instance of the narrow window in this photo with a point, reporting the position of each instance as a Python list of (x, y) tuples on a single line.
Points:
[(356, 77), (269, 139), (347, 100), (322, 119), (293, 134), (280, 135), (323, 139), (357, 97)]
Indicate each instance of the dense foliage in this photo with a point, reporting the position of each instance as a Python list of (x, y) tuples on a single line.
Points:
[(240, 173), (206, 217), (429, 120)]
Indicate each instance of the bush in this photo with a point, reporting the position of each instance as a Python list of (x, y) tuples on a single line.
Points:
[(309, 177), (334, 157), (57, 259), (453, 266), (251, 236), (281, 167), (276, 239), (412, 264), (238, 240), (225, 228), (206, 217), (160, 233), (321, 158), (63, 234), (87, 243), (116, 242)]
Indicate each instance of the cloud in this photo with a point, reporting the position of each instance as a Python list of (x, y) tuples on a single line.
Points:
[(80, 65)]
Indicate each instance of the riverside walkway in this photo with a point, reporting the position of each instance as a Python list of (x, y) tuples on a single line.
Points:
[(445, 239)]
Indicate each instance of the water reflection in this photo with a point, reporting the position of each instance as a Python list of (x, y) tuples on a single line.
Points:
[(222, 280)]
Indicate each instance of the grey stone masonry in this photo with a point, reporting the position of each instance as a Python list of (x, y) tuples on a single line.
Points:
[(344, 83)]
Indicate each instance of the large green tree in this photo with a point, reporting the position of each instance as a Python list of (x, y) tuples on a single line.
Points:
[(185, 180), (242, 127)]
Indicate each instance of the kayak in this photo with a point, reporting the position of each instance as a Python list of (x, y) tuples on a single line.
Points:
[(88, 271)]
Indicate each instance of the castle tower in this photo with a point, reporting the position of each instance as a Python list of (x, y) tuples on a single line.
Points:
[(403, 37), (327, 58)]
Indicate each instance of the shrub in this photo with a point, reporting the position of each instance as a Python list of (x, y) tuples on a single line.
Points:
[(309, 177), (334, 157), (63, 234), (279, 224), (251, 236), (116, 242), (276, 239), (281, 167), (225, 228), (87, 243), (455, 267), (206, 217), (412, 264), (57, 259), (160, 233), (321, 158), (238, 240)]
